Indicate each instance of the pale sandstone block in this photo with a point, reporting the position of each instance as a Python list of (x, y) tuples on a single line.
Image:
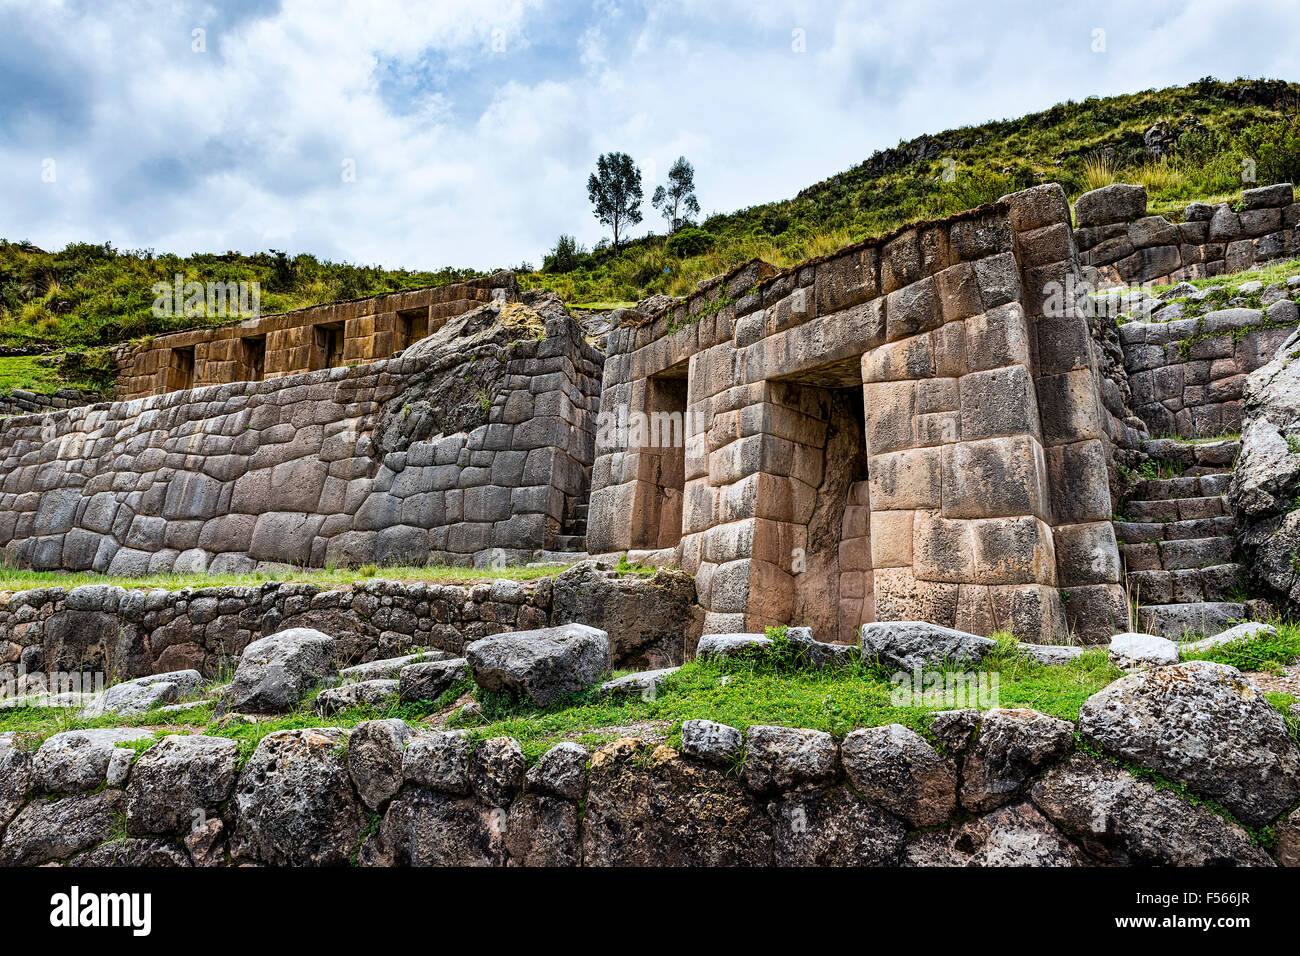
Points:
[(905, 480), (891, 539)]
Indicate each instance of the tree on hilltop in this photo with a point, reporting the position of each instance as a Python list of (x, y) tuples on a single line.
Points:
[(677, 201), (615, 192)]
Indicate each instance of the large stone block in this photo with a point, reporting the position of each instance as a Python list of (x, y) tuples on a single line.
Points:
[(993, 478)]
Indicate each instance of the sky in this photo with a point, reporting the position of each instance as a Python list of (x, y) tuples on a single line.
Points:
[(461, 132)]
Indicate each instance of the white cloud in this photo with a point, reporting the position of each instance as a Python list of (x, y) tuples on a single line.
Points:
[(466, 156)]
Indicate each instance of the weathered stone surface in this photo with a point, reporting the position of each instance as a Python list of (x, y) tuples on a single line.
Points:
[(1115, 203), (179, 781), (1009, 748), (544, 665), (276, 672), (1239, 632), (390, 667), (206, 844), (955, 729), (424, 828), (647, 618), (911, 644), (78, 760), (562, 772), (136, 696), (643, 684), (894, 768), (134, 852), (15, 769), (54, 829), (712, 742), (294, 804), (1010, 836), (498, 770), (430, 680), (820, 654), (783, 758), (440, 761), (1133, 651), (1206, 725), (366, 693), (1052, 654), (375, 759), (714, 647), (658, 809), (1123, 821), (816, 827), (542, 831), (1288, 840)]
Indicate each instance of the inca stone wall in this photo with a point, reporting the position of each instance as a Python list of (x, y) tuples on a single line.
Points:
[(983, 446), (1187, 376), (478, 438), (1008, 787), (101, 629), (289, 343), (22, 402), (1123, 244)]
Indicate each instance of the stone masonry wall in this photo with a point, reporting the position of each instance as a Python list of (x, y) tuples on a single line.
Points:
[(985, 444), (1187, 376), (295, 470), (290, 343), (1124, 245), (1008, 789), (22, 402), (128, 633)]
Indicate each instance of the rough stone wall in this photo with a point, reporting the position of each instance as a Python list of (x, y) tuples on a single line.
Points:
[(1123, 244), (290, 343), (298, 470), (1187, 376), (986, 447), (128, 633), (22, 402), (1009, 790)]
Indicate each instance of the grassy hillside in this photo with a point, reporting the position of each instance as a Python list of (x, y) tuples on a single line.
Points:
[(88, 297)]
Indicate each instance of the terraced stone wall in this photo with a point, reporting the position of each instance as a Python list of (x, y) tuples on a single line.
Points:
[(480, 438), (1124, 245)]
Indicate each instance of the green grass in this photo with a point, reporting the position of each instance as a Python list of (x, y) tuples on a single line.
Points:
[(28, 372), (1257, 653), (736, 692), (13, 579)]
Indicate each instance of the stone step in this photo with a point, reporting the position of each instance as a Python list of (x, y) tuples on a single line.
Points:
[(1199, 456), (1178, 555), (1176, 509), (1219, 582), (1140, 532), (1191, 486), (1181, 621)]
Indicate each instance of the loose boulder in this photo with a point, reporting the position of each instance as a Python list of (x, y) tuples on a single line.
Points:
[(1133, 651), (366, 693), (544, 666), (1206, 725), (277, 672), (648, 618), (137, 696), (429, 680), (908, 645)]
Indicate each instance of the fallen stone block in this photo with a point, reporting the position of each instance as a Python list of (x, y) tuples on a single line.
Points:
[(277, 672), (1132, 651), (429, 680), (366, 693), (544, 665), (908, 645), (643, 684), (139, 695)]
